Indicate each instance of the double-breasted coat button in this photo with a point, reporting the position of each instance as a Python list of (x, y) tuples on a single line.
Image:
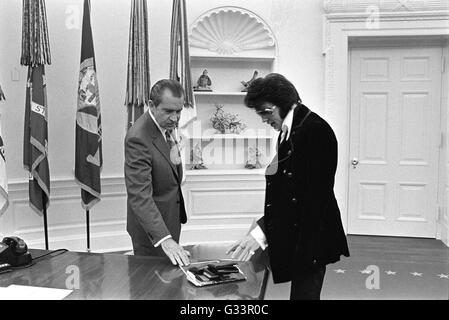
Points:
[(289, 174), (294, 200), (268, 205), (289, 152), (314, 261), (285, 171)]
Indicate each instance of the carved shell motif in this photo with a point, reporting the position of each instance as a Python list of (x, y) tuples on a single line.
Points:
[(228, 31)]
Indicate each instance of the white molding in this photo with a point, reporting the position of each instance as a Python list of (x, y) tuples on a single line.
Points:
[(390, 16), (232, 58), (385, 6), (217, 93), (236, 175), (66, 218), (108, 218), (212, 31), (249, 215)]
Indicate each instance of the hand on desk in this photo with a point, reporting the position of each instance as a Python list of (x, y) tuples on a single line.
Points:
[(244, 249), (175, 252)]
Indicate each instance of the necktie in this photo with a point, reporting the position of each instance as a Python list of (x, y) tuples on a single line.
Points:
[(175, 155), (284, 133)]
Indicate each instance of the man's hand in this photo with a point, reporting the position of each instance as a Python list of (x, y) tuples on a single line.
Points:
[(243, 249), (175, 252)]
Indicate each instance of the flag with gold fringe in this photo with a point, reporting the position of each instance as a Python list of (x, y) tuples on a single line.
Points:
[(88, 135), (180, 71), (35, 54), (180, 60), (138, 84)]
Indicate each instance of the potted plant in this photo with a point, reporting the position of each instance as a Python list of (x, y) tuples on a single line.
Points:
[(225, 122)]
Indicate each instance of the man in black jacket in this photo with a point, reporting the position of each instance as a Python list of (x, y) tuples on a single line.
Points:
[(301, 228)]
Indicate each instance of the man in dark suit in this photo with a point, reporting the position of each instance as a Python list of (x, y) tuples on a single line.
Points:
[(153, 174), (301, 228)]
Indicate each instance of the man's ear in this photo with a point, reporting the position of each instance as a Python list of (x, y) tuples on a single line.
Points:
[(151, 105)]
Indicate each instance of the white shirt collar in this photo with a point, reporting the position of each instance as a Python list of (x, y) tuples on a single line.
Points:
[(288, 123), (175, 133)]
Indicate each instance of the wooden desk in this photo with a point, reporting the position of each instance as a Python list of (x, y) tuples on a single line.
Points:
[(116, 276)]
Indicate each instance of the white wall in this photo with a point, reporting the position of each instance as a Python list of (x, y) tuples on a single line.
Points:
[(297, 26)]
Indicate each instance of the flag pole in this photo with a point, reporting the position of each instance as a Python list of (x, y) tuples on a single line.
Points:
[(88, 230), (88, 134), (45, 227)]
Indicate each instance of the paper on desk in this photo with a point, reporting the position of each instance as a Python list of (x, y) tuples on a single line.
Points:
[(16, 292)]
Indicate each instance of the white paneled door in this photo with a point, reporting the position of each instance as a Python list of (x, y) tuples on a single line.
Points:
[(394, 141)]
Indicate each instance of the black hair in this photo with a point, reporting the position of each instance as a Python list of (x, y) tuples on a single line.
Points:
[(275, 89), (159, 87)]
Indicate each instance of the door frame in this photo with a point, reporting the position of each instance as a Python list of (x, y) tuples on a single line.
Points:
[(399, 43), (343, 28)]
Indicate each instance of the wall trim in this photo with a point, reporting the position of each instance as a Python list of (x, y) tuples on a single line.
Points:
[(108, 233), (389, 16), (385, 6)]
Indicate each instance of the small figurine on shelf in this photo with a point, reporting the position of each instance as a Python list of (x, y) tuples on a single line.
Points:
[(196, 158), (2, 95), (225, 122), (253, 161), (203, 83), (246, 84)]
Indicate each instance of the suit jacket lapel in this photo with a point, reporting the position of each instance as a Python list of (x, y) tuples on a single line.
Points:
[(301, 113), (299, 116), (160, 144)]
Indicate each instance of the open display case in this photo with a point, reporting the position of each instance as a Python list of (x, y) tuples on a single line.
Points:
[(231, 44), (222, 200)]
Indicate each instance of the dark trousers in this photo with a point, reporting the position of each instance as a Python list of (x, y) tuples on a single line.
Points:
[(307, 284)]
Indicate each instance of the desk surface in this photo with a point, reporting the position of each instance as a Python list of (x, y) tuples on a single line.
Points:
[(116, 276)]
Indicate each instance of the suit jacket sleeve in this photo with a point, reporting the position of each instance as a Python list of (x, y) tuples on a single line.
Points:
[(321, 153), (138, 167)]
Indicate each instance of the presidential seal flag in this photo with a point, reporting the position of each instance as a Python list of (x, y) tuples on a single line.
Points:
[(88, 146), (4, 202), (35, 142)]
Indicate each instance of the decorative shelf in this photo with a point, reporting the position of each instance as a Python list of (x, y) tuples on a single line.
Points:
[(232, 58), (231, 137), (231, 43), (224, 94)]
